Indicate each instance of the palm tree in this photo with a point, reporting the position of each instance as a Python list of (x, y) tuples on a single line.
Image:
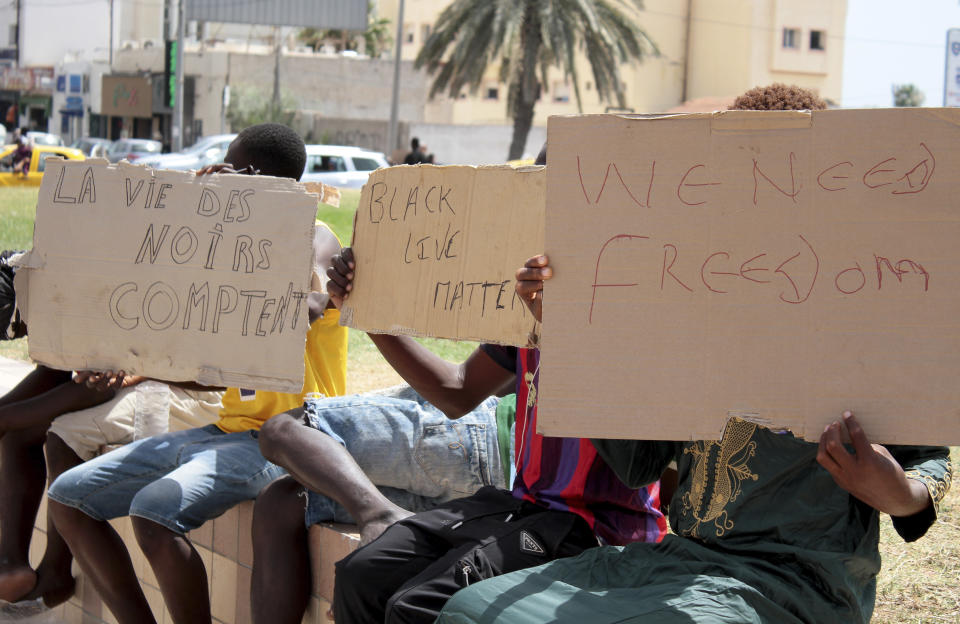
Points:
[(528, 37)]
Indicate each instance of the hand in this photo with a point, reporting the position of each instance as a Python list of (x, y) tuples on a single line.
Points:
[(870, 474), (342, 267), (216, 168), (106, 380), (530, 283)]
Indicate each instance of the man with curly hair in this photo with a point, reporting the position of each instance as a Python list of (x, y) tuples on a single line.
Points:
[(766, 526)]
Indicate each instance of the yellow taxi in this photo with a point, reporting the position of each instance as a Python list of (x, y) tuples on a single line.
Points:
[(38, 161)]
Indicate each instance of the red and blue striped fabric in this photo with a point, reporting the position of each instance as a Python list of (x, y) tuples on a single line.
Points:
[(567, 473)]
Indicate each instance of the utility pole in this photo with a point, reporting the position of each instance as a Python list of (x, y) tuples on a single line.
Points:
[(176, 126), (111, 35), (395, 98), (276, 67)]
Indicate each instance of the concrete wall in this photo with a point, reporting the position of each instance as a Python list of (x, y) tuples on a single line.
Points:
[(473, 144)]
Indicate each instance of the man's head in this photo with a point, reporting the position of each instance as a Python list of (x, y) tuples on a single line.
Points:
[(414, 144), (270, 149), (779, 96)]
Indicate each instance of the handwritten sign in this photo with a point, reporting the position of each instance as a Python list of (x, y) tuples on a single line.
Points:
[(779, 267), (169, 275), (437, 249)]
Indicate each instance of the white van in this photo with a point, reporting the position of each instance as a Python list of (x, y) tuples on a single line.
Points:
[(340, 165)]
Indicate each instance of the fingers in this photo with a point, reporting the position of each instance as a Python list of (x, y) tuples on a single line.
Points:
[(216, 168), (341, 273), (861, 444), (831, 454), (101, 381)]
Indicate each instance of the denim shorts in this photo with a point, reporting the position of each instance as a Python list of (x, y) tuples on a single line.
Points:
[(408, 448), (179, 479)]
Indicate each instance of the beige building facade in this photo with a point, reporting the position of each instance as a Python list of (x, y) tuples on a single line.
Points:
[(708, 49)]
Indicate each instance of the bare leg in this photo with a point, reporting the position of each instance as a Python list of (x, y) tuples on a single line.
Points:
[(22, 478), (106, 562), (280, 585), (55, 582), (179, 571), (324, 466)]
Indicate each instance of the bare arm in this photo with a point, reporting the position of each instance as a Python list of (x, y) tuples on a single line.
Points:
[(870, 473), (453, 388)]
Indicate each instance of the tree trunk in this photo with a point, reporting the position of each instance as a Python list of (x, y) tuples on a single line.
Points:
[(526, 90), (522, 121)]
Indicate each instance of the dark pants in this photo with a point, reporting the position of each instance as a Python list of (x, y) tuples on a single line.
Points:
[(409, 572)]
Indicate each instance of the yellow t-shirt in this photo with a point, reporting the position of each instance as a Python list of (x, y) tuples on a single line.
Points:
[(325, 374)]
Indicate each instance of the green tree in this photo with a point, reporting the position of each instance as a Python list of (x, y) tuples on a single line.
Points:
[(528, 37), (250, 105), (907, 95)]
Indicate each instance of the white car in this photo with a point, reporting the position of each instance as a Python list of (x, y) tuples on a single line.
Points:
[(205, 151), (341, 166)]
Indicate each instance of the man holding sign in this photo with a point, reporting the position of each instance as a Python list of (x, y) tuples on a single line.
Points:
[(767, 527), (172, 483), (563, 500)]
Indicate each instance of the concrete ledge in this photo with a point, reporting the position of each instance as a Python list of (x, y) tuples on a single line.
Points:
[(226, 547)]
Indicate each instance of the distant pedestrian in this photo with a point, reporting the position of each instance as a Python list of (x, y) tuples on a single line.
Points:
[(415, 156)]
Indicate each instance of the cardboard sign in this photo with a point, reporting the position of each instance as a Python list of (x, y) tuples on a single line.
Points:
[(778, 267), (437, 249), (170, 275)]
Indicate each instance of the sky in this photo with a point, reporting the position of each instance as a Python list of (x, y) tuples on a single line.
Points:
[(895, 42)]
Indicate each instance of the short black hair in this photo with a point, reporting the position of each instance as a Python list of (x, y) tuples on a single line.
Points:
[(414, 143), (274, 149)]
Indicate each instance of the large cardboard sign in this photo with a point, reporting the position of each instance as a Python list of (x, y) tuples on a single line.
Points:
[(779, 267), (169, 275), (437, 249)]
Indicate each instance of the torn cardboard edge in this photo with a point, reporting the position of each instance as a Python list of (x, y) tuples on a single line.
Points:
[(439, 242)]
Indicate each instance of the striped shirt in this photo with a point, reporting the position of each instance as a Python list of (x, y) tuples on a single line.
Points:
[(566, 474)]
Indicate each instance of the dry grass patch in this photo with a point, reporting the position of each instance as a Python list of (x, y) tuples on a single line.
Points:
[(920, 582)]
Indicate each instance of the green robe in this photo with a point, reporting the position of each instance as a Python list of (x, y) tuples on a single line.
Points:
[(762, 533)]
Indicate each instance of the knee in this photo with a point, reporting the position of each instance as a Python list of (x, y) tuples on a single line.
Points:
[(67, 519), (276, 432), (279, 504), (60, 457), (153, 538)]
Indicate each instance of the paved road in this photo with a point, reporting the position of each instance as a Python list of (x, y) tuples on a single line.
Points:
[(11, 372)]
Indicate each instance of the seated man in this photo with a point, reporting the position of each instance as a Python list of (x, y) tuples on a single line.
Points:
[(95, 418), (371, 459), (173, 483), (564, 496), (767, 527)]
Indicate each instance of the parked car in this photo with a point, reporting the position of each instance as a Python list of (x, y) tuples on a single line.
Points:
[(340, 165), (93, 146), (206, 151), (44, 138), (38, 162), (133, 150)]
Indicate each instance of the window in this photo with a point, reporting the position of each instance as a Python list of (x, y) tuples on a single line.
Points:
[(408, 33), (818, 40), (791, 37), (491, 93), (425, 32), (561, 92), (365, 164), (327, 163)]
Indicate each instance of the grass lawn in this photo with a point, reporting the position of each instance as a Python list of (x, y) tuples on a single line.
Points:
[(919, 581)]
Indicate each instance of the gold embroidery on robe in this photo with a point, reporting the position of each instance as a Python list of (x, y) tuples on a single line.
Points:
[(938, 488), (717, 472)]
